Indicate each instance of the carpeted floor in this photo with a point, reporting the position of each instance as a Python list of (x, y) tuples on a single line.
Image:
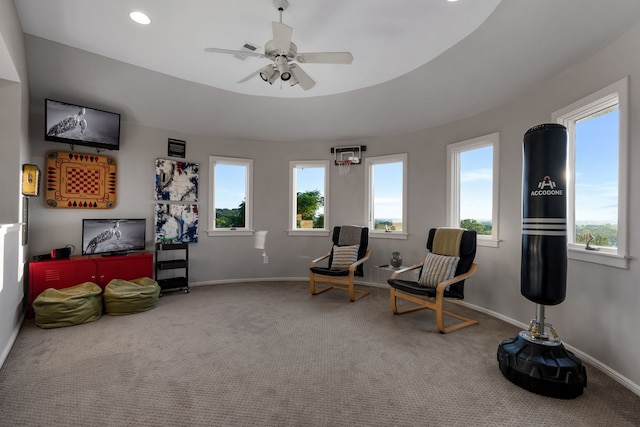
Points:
[(270, 354)]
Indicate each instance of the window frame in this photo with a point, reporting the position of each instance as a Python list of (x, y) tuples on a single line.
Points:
[(370, 162), (567, 116), (453, 184), (247, 230), (293, 166)]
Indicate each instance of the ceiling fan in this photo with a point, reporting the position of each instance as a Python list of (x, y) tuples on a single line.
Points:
[(285, 56)]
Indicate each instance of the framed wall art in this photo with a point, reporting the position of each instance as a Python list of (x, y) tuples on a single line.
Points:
[(176, 181), (177, 148), (80, 181), (176, 222)]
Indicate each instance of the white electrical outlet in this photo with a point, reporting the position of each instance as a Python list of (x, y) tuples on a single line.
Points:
[(265, 259)]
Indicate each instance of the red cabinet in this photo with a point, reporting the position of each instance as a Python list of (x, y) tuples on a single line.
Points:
[(63, 273), (123, 267)]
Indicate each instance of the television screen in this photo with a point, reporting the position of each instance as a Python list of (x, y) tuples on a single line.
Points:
[(112, 236), (75, 124)]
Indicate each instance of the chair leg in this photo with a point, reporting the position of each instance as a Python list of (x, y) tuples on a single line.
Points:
[(393, 294), (312, 285), (436, 306), (465, 321), (350, 287), (353, 291), (360, 294), (354, 294)]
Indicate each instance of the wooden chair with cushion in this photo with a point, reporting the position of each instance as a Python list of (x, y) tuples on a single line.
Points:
[(345, 261), (443, 270)]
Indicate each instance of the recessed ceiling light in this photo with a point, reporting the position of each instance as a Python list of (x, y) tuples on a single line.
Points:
[(451, 1), (140, 18)]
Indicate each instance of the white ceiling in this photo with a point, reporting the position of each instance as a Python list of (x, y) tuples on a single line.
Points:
[(384, 48), (417, 63)]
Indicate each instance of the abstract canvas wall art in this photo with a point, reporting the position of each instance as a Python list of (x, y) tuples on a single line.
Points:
[(176, 181), (176, 222)]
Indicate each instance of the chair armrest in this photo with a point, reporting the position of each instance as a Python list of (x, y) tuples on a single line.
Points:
[(353, 266), (443, 285), (404, 270), (317, 260)]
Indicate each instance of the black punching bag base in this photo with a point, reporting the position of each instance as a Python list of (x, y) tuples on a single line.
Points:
[(542, 367)]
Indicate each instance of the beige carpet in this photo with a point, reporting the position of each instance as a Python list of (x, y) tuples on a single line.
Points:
[(270, 354)]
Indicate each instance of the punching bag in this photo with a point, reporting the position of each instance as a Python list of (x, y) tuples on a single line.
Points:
[(534, 360), (543, 271)]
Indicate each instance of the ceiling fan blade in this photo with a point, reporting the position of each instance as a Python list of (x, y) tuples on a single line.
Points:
[(282, 36), (235, 52), (303, 78), (250, 76), (325, 58)]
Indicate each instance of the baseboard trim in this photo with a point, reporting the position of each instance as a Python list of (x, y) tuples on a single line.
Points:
[(12, 339), (278, 279), (257, 279)]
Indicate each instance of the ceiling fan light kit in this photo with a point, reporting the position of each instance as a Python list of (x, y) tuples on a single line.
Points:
[(269, 74), (284, 54), (283, 67)]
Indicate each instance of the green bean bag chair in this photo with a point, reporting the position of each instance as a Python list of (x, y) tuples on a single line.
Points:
[(57, 308), (130, 296)]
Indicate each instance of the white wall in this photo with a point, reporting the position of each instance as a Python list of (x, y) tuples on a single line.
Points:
[(212, 258), (14, 111), (14, 107), (600, 311)]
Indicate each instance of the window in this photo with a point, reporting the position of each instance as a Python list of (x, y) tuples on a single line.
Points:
[(308, 184), (231, 196), (387, 196), (472, 187), (597, 174)]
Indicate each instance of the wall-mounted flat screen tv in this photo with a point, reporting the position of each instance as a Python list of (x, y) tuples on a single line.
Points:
[(113, 236), (79, 125)]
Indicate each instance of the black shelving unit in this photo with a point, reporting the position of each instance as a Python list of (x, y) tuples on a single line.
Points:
[(172, 268)]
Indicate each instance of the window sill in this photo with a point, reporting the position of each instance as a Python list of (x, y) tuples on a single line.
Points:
[(598, 257), (490, 243), (388, 235), (229, 232), (308, 232)]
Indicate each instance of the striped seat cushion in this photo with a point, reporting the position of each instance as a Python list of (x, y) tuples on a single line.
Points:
[(344, 256), (437, 268)]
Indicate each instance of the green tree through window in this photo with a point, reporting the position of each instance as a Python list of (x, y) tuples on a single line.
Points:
[(230, 209), (480, 228), (308, 204), (230, 218), (308, 196)]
